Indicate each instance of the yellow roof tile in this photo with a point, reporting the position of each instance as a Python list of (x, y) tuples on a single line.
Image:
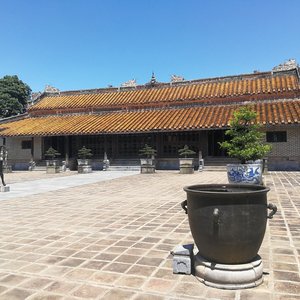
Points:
[(198, 92), (174, 119)]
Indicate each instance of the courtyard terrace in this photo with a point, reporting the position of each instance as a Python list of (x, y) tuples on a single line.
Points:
[(108, 236)]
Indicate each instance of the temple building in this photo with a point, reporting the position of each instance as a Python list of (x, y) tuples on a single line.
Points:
[(119, 121)]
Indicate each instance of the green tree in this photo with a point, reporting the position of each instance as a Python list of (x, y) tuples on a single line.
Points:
[(186, 151), (85, 153), (246, 141), (148, 151), (14, 94), (52, 153)]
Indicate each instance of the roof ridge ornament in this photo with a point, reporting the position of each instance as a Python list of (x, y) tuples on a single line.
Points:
[(129, 83), (153, 79), (289, 64), (176, 78), (51, 89), (153, 82)]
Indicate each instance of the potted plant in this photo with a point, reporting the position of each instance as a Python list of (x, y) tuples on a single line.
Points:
[(83, 160), (186, 164), (246, 144), (52, 165), (147, 163)]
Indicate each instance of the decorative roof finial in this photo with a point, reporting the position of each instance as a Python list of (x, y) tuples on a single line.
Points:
[(153, 79)]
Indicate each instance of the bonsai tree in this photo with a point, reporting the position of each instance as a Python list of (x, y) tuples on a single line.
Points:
[(83, 163), (186, 151), (51, 153), (246, 141), (148, 151), (84, 153), (147, 165)]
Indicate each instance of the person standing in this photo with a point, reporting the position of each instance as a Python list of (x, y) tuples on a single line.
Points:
[(2, 157)]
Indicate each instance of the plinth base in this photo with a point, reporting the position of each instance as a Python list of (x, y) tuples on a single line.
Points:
[(230, 277), (147, 169), (84, 169), (52, 169), (186, 170), (4, 188)]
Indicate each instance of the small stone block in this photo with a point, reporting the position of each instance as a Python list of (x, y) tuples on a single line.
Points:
[(182, 264), (4, 188), (182, 259), (186, 250)]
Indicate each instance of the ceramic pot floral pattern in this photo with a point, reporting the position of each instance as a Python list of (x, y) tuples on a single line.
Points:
[(244, 173)]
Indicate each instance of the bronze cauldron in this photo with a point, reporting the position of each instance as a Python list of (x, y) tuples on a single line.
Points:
[(228, 221)]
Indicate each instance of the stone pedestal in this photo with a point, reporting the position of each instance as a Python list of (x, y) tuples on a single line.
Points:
[(52, 169), (4, 188), (84, 169), (186, 170), (147, 169), (186, 166), (231, 277)]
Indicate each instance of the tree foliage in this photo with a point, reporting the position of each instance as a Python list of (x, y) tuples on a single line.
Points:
[(147, 151), (14, 94), (52, 153), (85, 153), (186, 151), (246, 141)]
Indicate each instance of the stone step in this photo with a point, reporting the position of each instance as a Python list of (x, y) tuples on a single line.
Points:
[(219, 162), (215, 168), (215, 165), (39, 168), (125, 162), (124, 168)]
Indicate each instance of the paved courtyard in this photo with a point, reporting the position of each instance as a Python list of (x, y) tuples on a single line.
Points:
[(105, 238)]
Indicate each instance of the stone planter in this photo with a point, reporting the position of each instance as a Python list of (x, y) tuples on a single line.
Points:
[(147, 166), (245, 173), (84, 166), (186, 165), (52, 166)]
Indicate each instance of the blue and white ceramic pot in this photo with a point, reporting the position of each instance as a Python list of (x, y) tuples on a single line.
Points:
[(245, 173)]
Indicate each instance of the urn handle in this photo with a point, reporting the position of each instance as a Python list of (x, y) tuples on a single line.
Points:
[(273, 212), (184, 206), (216, 216)]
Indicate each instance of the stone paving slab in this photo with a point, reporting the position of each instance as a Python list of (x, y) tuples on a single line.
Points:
[(27, 188), (112, 240), (22, 176)]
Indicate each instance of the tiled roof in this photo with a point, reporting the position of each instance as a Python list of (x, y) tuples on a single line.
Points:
[(172, 119), (204, 92)]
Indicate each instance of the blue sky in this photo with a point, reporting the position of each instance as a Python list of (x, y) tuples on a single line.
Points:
[(81, 44)]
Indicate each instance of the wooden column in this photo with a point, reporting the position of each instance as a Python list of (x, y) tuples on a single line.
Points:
[(159, 144), (67, 151), (114, 147), (32, 148)]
